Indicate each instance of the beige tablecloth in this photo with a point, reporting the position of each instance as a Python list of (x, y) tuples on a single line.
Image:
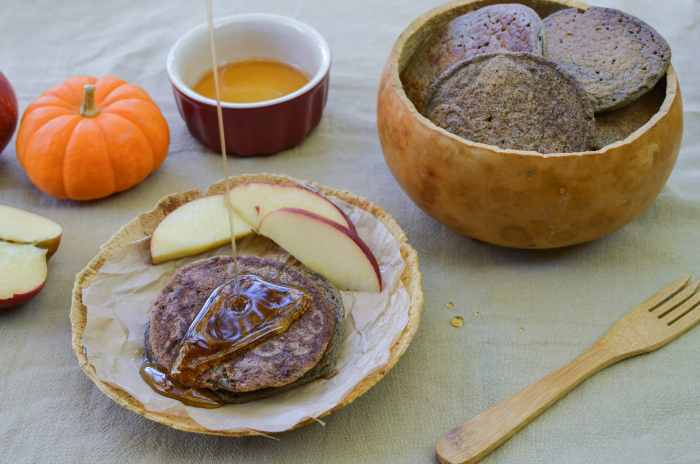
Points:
[(644, 410)]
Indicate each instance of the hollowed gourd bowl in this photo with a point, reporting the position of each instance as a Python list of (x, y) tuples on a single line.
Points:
[(512, 198)]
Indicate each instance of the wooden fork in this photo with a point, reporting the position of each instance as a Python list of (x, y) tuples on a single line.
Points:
[(649, 326)]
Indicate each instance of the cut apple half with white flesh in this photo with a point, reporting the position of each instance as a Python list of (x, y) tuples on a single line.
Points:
[(255, 199), (324, 246), (19, 226), (22, 273), (195, 227)]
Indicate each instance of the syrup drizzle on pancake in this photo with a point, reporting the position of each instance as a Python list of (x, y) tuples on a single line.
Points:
[(222, 330)]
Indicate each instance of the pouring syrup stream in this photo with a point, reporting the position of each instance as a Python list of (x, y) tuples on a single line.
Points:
[(220, 117), (230, 321)]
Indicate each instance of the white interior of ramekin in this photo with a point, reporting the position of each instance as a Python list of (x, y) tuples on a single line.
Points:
[(244, 36)]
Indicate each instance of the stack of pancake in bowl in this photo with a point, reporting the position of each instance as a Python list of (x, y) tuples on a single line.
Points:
[(502, 76)]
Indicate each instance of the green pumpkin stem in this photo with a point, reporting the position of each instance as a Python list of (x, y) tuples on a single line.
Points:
[(88, 108)]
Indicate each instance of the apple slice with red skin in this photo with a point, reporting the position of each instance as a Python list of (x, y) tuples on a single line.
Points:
[(195, 227), (324, 246), (255, 199), (22, 273), (19, 226)]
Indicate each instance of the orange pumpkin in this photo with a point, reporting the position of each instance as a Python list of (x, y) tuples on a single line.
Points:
[(89, 138)]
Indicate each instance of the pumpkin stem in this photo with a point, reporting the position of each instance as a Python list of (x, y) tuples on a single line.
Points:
[(89, 109)]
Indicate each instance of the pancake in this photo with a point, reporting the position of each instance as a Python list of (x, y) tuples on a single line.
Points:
[(276, 361), (616, 57), (324, 369), (492, 29), (516, 101), (613, 126)]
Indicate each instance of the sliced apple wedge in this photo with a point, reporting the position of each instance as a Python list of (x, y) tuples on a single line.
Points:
[(324, 246), (254, 200), (22, 273), (19, 226), (194, 227)]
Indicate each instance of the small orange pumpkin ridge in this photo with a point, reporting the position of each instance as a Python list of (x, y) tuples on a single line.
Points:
[(84, 155)]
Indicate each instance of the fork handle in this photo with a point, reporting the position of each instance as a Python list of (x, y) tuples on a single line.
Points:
[(480, 435)]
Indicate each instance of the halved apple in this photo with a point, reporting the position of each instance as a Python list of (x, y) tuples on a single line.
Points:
[(194, 227), (324, 246), (19, 226), (254, 200), (22, 273)]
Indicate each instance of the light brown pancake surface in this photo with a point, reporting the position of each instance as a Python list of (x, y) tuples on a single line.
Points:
[(613, 126), (516, 101)]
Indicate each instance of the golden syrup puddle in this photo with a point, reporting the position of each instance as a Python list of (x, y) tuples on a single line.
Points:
[(252, 80), (237, 315)]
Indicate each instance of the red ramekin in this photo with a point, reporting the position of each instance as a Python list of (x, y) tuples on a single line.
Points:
[(259, 128)]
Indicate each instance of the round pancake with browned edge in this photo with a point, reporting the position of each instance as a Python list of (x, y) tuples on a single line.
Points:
[(325, 368), (491, 29), (616, 57), (516, 101), (274, 362)]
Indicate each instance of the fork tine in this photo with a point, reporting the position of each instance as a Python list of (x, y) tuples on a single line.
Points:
[(683, 309), (686, 320), (671, 304), (669, 290)]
